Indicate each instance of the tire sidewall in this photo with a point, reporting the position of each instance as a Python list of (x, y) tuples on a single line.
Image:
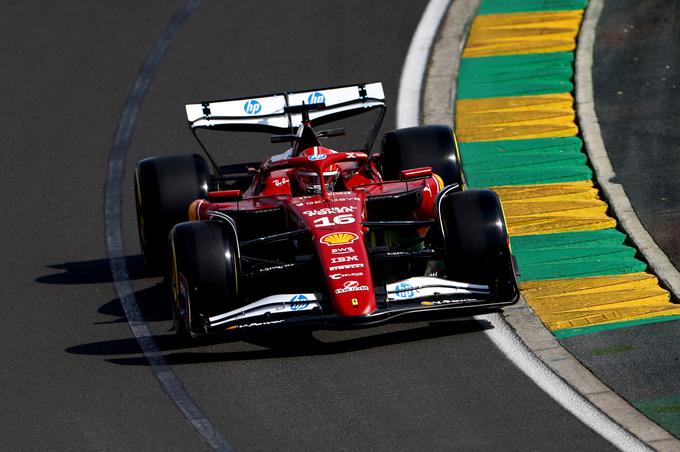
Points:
[(205, 272)]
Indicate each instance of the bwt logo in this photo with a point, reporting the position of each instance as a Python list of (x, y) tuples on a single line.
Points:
[(316, 98), (252, 107), (298, 302)]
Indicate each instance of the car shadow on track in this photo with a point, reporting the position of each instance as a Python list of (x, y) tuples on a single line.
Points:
[(150, 299), (91, 272), (277, 344), (152, 302)]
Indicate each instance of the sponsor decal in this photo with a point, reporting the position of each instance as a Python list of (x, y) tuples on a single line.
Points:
[(433, 303), (273, 164), (316, 157), (345, 196), (341, 259), (343, 250), (339, 238), (298, 302), (351, 286), (345, 267), (281, 182), (316, 98), (337, 276), (353, 155), (308, 203), (254, 324), (252, 107), (329, 211), (404, 290)]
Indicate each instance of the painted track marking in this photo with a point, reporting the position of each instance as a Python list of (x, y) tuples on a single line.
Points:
[(113, 223), (415, 63)]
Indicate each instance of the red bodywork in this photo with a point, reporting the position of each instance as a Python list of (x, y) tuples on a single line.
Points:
[(333, 218)]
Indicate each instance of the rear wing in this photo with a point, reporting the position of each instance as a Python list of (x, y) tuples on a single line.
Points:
[(266, 113)]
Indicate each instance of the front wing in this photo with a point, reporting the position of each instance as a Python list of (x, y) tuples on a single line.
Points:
[(413, 295)]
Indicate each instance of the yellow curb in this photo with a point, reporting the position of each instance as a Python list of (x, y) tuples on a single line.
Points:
[(521, 33), (569, 303), (553, 208), (513, 118)]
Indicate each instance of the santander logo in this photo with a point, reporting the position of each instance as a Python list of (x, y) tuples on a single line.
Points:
[(351, 286)]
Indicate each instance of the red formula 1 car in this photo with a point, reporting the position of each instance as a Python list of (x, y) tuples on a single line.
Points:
[(315, 236)]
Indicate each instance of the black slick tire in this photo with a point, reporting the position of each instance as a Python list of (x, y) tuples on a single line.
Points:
[(164, 189), (204, 274), (476, 242), (417, 147)]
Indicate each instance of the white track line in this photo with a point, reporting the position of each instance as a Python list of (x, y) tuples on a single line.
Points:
[(507, 341), (592, 136), (113, 224), (502, 335), (413, 72)]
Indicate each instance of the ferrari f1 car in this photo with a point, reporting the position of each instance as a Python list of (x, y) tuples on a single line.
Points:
[(320, 237)]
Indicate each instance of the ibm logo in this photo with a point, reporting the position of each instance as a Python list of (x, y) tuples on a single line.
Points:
[(316, 98), (252, 107)]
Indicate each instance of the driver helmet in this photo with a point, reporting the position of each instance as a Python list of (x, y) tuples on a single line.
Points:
[(309, 180)]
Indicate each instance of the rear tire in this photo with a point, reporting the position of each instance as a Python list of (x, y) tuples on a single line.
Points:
[(164, 189), (476, 241), (416, 147), (205, 272)]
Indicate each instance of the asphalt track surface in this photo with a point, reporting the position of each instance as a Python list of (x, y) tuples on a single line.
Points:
[(72, 375), (636, 83), (637, 99)]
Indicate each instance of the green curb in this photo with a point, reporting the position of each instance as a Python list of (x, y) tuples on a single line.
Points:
[(516, 75), (571, 332), (603, 237), (524, 162), (578, 263), (527, 6), (574, 255)]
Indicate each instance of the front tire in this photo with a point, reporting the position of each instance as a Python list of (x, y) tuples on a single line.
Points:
[(205, 273), (164, 189), (476, 242)]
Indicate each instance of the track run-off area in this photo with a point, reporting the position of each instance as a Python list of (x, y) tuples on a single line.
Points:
[(93, 88)]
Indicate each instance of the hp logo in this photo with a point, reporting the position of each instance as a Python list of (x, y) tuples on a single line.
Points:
[(252, 107), (316, 98), (298, 302), (404, 290)]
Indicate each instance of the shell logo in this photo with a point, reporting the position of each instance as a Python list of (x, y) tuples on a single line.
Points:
[(339, 238)]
